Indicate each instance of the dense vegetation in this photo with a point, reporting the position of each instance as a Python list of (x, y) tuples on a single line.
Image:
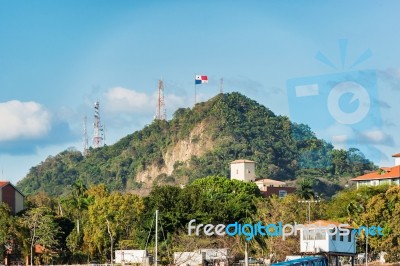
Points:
[(236, 126), (89, 222)]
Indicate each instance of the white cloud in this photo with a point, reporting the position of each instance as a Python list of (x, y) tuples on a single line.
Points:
[(23, 120), (120, 99)]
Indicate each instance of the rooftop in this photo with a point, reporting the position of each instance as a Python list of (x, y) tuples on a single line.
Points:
[(382, 173), (242, 161), (327, 223), (396, 155), (267, 181)]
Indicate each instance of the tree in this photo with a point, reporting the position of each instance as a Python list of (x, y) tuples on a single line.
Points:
[(43, 230), (6, 228), (305, 189), (111, 218)]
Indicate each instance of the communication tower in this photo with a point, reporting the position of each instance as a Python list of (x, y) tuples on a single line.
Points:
[(160, 113), (98, 130)]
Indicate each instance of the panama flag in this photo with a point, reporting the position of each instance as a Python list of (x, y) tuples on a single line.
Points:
[(200, 79)]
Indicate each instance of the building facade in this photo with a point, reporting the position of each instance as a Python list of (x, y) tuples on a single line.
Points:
[(244, 170), (384, 175), (327, 241), (11, 196)]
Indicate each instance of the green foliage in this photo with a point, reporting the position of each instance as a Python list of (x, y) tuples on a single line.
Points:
[(232, 124)]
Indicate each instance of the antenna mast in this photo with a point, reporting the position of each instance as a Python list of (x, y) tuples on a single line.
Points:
[(220, 85), (85, 137), (161, 114), (97, 127)]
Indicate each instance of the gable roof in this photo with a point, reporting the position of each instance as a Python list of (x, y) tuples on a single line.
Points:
[(5, 183), (396, 155), (388, 173)]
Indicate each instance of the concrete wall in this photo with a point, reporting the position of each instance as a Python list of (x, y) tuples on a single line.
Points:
[(269, 191), (130, 256), (19, 202), (243, 171)]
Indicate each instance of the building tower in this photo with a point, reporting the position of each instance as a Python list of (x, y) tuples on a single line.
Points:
[(98, 132), (85, 137), (243, 170), (160, 113)]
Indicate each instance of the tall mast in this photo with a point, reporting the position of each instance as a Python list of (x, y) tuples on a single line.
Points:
[(160, 113), (97, 127)]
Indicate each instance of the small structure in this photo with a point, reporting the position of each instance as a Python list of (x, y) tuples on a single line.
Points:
[(132, 256), (269, 187), (385, 175), (326, 238), (243, 170), (11, 196), (209, 256), (189, 258)]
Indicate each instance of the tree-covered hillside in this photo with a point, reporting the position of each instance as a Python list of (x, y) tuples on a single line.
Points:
[(200, 142)]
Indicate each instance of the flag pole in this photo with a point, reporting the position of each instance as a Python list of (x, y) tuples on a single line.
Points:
[(195, 88)]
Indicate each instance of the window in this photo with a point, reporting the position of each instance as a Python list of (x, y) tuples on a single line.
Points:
[(248, 171), (333, 236), (349, 237), (237, 171), (341, 238), (282, 193)]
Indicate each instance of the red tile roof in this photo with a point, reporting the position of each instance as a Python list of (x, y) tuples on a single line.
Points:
[(396, 155), (392, 172), (327, 223), (4, 183)]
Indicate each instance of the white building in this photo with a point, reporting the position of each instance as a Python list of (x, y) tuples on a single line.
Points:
[(243, 170), (324, 241), (131, 256), (199, 257), (385, 175)]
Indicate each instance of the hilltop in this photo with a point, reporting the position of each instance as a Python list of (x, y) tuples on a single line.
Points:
[(196, 143)]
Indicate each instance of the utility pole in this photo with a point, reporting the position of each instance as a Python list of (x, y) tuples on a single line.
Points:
[(156, 247), (309, 207)]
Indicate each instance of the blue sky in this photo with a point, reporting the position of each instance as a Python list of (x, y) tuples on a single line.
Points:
[(58, 57)]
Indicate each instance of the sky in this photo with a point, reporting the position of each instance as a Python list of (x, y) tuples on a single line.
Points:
[(333, 65)]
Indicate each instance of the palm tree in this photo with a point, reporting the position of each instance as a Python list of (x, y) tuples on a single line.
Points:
[(305, 190)]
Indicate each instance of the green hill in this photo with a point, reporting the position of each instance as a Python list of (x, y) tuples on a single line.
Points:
[(200, 142)]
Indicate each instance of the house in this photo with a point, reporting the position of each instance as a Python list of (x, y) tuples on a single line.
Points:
[(327, 237), (384, 175), (244, 170), (269, 187), (10, 195)]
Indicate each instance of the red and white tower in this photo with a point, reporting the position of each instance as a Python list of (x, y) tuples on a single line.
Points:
[(98, 130), (160, 113)]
